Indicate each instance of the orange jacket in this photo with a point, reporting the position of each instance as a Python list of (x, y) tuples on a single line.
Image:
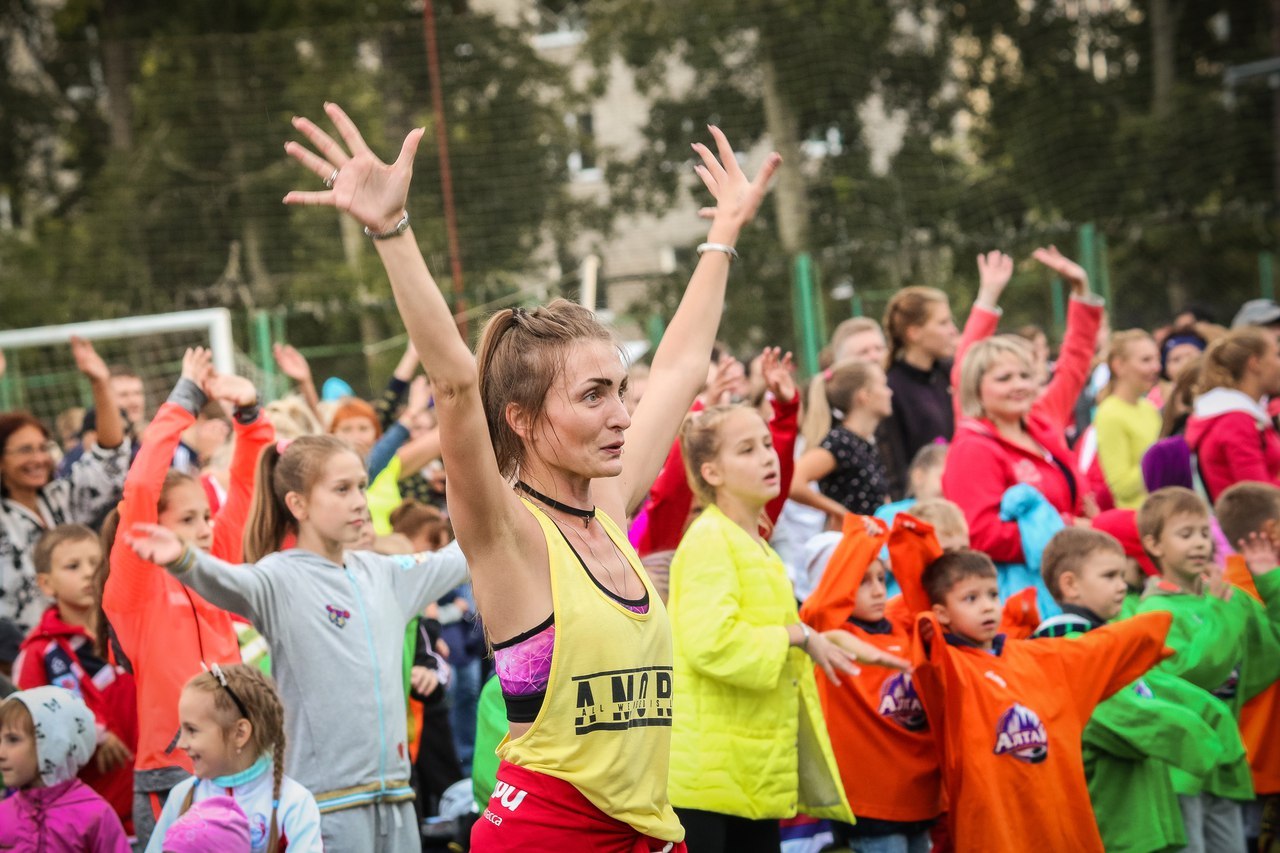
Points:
[(1009, 727), (165, 629), (1260, 716), (879, 732)]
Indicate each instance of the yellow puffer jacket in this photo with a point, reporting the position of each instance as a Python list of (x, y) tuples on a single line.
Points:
[(748, 737)]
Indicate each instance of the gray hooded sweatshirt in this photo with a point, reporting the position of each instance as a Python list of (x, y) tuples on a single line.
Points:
[(337, 636)]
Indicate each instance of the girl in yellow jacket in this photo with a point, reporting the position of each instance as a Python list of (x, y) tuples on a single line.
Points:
[(749, 745)]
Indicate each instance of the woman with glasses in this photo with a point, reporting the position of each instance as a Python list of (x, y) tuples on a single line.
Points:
[(32, 501)]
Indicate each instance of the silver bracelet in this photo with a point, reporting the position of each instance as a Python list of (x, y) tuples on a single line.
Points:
[(396, 230), (703, 248)]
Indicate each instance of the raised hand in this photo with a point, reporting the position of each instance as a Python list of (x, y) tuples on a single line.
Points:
[(1259, 553), (778, 373), (995, 268), (197, 363), (419, 396), (1071, 272), (228, 387), (408, 364), (88, 361), (371, 191), (291, 362), (154, 543), (737, 197)]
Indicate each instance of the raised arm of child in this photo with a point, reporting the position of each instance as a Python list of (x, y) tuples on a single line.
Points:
[(253, 432)]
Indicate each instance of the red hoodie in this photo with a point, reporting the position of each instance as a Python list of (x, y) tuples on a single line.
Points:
[(62, 655), (165, 629), (671, 499), (982, 465), (1233, 440)]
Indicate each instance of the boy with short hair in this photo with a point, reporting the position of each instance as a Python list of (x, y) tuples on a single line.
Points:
[(1008, 716), (60, 651), (1243, 510), (1134, 737), (1228, 644)]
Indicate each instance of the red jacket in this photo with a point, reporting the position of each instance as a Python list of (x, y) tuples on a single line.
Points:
[(671, 499), (982, 465), (51, 654), (165, 629), (1233, 440)]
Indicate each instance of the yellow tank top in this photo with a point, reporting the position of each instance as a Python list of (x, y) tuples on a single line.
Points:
[(605, 724)]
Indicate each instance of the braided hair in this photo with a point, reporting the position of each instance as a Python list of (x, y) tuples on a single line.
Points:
[(258, 695)]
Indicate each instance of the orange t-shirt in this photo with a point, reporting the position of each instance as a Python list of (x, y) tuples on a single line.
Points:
[(883, 746), (1009, 727), (1260, 716)]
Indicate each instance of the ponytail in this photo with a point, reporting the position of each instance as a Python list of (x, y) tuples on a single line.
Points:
[(817, 412), (832, 394), (107, 541), (269, 520)]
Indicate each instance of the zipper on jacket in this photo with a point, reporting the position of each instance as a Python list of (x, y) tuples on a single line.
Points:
[(377, 682)]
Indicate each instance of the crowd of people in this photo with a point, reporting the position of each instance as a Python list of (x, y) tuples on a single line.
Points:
[(954, 595)]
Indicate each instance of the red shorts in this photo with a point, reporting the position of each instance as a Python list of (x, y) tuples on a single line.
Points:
[(532, 811)]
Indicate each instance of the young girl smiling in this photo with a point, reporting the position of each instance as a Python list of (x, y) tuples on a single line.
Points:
[(233, 732)]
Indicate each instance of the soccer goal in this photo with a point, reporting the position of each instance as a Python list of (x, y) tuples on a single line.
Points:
[(42, 378)]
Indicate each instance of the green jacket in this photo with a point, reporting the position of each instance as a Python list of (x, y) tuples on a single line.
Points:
[(1231, 649), (1132, 743), (749, 738)]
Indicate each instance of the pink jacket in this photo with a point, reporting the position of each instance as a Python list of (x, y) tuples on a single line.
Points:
[(66, 818), (1233, 440), (982, 465)]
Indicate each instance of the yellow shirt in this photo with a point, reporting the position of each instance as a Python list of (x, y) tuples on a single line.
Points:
[(1125, 431), (605, 724)]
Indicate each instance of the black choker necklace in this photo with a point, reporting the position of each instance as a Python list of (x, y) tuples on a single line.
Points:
[(585, 514)]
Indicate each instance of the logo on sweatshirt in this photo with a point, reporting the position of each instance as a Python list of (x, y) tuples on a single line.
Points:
[(337, 615), (1227, 690), (1025, 471), (900, 703), (1021, 734), (257, 830)]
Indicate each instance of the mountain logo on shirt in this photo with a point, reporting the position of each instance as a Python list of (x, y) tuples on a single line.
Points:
[(258, 831), (1021, 734), (900, 703), (337, 615)]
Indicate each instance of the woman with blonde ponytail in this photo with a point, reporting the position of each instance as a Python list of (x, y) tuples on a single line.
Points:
[(232, 727)]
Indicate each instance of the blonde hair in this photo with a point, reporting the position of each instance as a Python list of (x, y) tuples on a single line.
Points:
[(1118, 348), (292, 417), (848, 328), (831, 396), (701, 441), (1227, 358), (980, 358), (942, 514), (295, 470), (519, 357), (263, 710), (909, 307)]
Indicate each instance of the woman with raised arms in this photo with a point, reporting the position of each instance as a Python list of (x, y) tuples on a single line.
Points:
[(533, 431)]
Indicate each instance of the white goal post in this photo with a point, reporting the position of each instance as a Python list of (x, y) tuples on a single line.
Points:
[(215, 321)]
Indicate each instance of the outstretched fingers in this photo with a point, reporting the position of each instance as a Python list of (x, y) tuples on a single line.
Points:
[(767, 171), (409, 149), (323, 142), (323, 197), (346, 129), (727, 156), (321, 167), (710, 163)]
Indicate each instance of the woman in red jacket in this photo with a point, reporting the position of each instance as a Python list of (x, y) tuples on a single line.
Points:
[(1012, 432), (1229, 430), (165, 630)]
